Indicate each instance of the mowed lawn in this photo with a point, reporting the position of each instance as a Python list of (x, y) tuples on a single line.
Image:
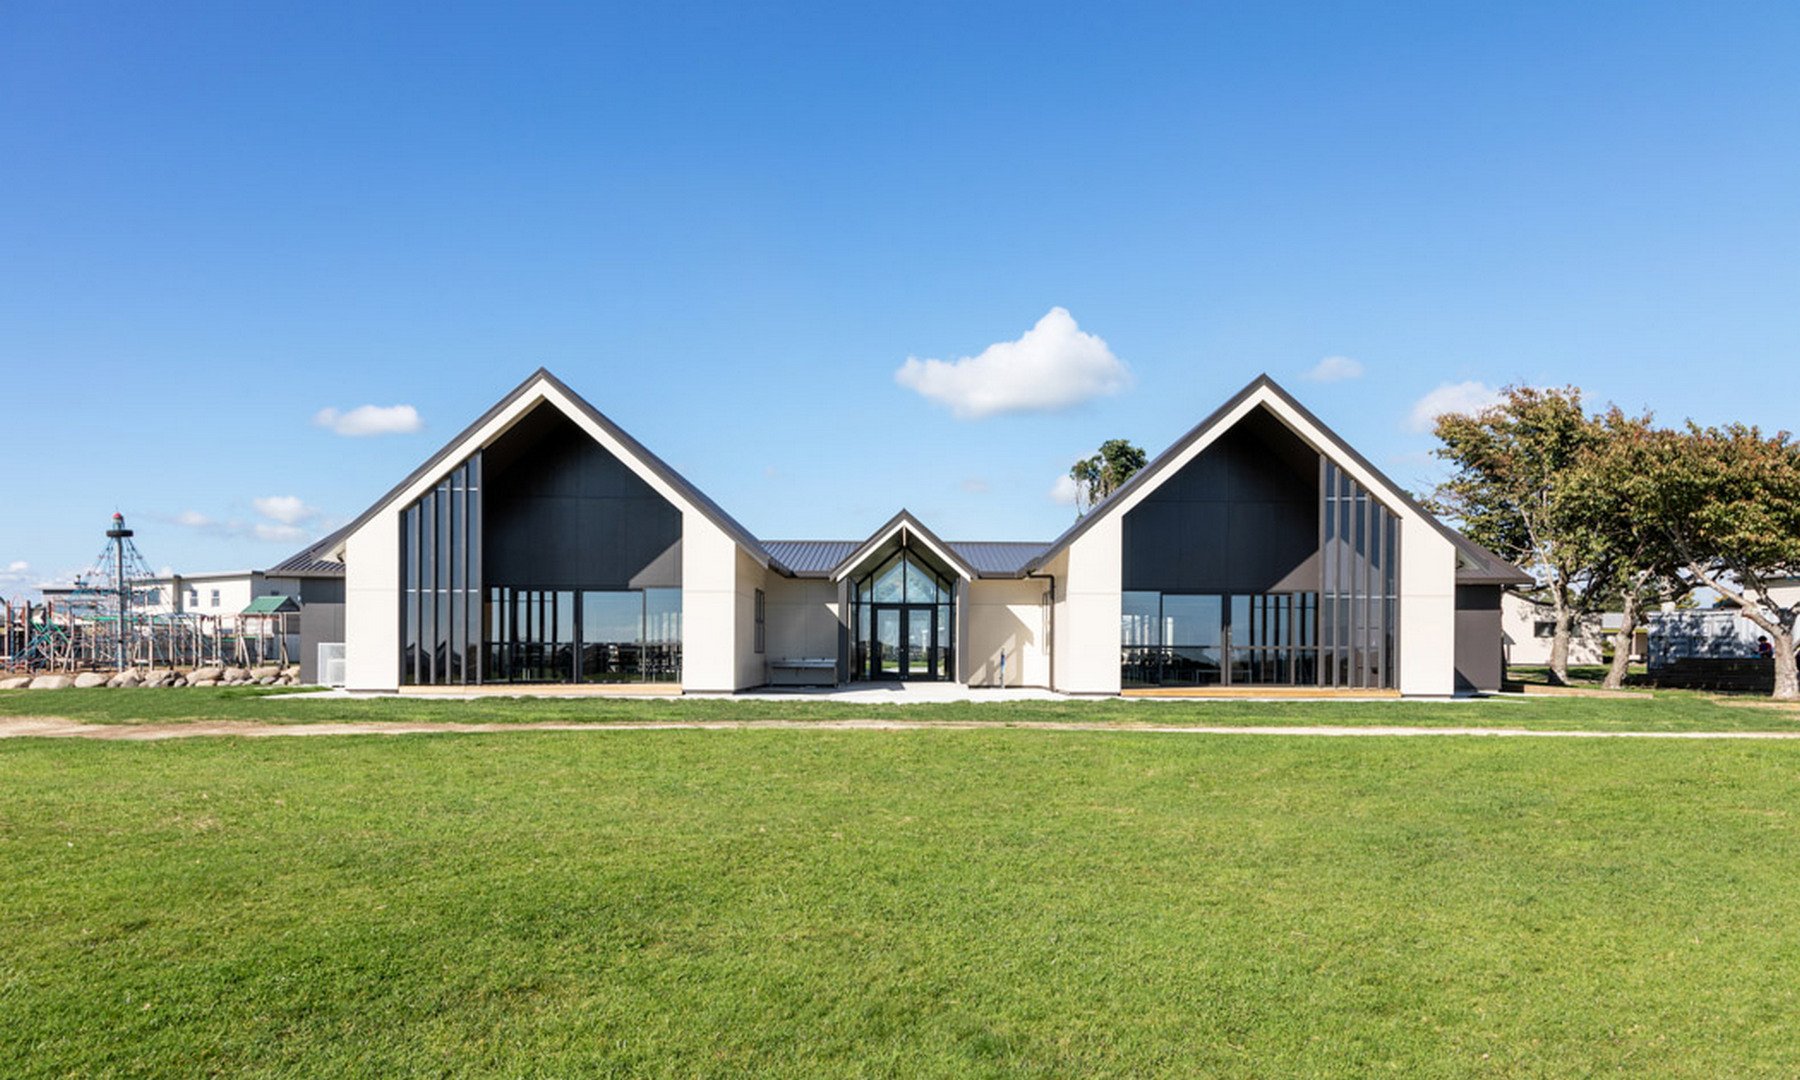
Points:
[(1665, 711), (916, 903)]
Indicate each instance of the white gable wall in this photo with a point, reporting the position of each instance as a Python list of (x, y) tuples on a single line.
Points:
[(372, 603), (1087, 646), (372, 567)]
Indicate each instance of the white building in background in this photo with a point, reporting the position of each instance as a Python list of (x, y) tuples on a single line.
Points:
[(1527, 628), (223, 593), (1714, 633), (1260, 553)]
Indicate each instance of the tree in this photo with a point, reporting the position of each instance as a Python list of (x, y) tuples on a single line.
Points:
[(1727, 503), (1512, 464), (1098, 476), (1634, 563)]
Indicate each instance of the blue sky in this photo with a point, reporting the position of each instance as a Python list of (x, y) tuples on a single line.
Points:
[(729, 227)]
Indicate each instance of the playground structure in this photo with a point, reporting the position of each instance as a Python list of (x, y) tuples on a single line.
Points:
[(108, 623)]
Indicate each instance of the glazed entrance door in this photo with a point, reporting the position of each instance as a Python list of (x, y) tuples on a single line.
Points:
[(886, 658), (904, 644), (921, 642)]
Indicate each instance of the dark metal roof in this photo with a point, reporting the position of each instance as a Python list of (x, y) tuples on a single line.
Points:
[(989, 558), (310, 562), (810, 558), (1483, 567), (998, 558)]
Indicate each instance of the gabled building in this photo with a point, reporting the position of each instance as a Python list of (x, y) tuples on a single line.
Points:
[(1259, 553)]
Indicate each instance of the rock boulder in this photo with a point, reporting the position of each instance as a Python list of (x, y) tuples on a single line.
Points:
[(88, 680), (52, 682)]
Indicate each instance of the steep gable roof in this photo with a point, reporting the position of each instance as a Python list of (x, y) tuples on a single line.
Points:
[(1476, 565), (903, 523), (536, 382)]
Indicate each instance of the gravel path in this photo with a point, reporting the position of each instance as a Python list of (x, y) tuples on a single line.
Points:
[(56, 727)]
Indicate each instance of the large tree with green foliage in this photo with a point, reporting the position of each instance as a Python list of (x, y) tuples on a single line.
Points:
[(1512, 463), (1634, 564), (1726, 501), (1102, 474)]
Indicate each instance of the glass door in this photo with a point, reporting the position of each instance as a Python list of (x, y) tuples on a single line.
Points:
[(887, 660), (905, 642), (921, 660)]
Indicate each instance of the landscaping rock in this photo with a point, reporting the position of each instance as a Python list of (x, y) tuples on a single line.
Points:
[(235, 674), (16, 682), (128, 679), (205, 673), (52, 682), (265, 671), (202, 682), (266, 680), (88, 680)]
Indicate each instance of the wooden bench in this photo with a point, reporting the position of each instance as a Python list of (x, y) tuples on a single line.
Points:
[(803, 671)]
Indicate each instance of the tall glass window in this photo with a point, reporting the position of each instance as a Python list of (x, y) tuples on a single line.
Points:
[(596, 636), (1359, 563), (903, 612), (1213, 639), (440, 556)]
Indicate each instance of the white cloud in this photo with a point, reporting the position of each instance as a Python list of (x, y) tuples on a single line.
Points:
[(370, 420), (286, 509), (1464, 398), (262, 530), (1065, 490), (193, 519), (18, 566), (975, 485), (1335, 369), (1052, 366)]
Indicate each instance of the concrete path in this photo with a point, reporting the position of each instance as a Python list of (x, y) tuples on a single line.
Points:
[(57, 727)]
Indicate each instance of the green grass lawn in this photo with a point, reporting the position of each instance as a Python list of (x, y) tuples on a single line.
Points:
[(1641, 711), (917, 903)]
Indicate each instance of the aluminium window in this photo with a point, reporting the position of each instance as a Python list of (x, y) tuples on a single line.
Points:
[(760, 634)]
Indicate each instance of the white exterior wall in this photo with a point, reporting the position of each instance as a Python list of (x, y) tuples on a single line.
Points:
[(751, 668), (372, 603), (708, 605), (1427, 609), (1007, 616), (801, 616), (1087, 627)]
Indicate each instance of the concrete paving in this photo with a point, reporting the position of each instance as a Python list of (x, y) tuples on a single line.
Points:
[(898, 693)]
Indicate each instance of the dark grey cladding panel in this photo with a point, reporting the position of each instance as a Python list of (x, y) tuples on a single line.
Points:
[(1479, 658), (559, 511), (1241, 517), (320, 622)]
